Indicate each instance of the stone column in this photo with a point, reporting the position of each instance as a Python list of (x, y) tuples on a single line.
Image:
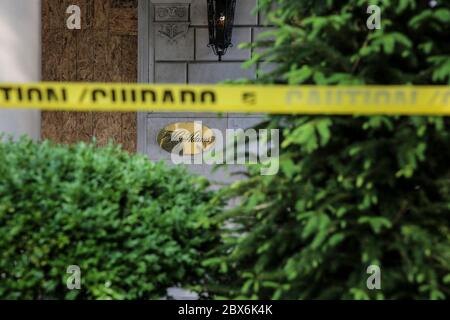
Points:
[(20, 60)]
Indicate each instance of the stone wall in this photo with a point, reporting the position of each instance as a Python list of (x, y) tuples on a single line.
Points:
[(186, 59), (106, 50)]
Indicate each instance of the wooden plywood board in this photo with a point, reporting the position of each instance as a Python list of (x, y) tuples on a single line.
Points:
[(105, 50)]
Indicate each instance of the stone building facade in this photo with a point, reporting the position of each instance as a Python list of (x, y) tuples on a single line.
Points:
[(150, 41)]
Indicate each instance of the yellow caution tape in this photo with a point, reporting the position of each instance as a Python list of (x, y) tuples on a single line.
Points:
[(364, 100)]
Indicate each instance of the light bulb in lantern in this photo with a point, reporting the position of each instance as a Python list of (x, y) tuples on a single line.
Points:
[(221, 21)]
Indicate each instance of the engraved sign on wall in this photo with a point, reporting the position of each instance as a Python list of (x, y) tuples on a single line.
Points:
[(186, 138)]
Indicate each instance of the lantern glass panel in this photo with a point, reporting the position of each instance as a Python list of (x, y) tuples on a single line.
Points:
[(220, 22)]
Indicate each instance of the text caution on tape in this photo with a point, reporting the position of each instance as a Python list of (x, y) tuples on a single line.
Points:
[(363, 100)]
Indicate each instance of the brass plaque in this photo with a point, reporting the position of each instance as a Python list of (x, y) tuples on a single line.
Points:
[(186, 138)]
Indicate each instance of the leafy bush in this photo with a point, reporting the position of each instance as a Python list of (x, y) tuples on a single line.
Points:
[(134, 227), (352, 191)]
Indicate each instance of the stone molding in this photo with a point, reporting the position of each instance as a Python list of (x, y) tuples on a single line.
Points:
[(172, 19)]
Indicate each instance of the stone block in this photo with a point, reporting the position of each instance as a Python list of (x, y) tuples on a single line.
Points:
[(170, 73), (174, 49), (213, 72)]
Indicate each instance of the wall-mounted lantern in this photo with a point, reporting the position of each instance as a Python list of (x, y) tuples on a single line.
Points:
[(220, 21)]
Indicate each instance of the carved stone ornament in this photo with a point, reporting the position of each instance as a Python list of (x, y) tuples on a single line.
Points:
[(173, 31), (172, 19)]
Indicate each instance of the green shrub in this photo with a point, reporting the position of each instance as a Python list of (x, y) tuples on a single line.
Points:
[(134, 227), (352, 191)]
